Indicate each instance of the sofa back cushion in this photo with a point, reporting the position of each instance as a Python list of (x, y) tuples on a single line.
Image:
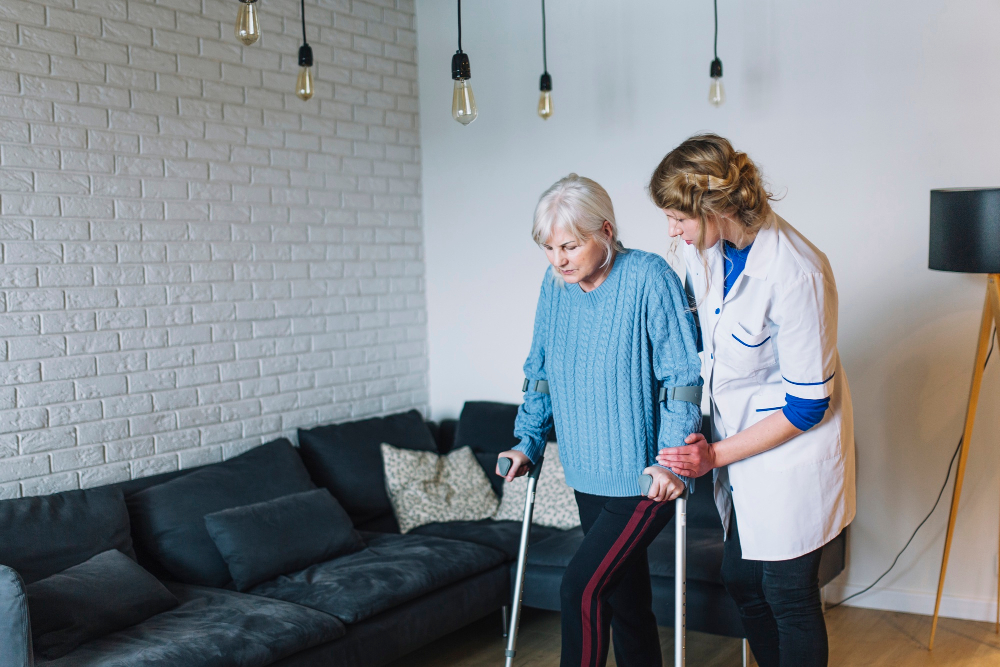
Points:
[(287, 534), (48, 534), (168, 520), (347, 460), (109, 592), (488, 429)]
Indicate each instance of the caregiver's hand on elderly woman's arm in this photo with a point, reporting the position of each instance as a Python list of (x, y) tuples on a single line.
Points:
[(699, 457)]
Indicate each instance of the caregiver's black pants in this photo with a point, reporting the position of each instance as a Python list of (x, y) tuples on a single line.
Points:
[(779, 603), (606, 585)]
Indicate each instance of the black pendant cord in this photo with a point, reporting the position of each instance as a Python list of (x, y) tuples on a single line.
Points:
[(715, 44), (459, 26), (304, 40), (545, 60)]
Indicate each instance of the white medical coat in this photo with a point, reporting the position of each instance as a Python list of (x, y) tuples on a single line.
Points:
[(776, 333)]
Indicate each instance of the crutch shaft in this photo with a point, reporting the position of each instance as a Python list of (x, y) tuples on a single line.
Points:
[(522, 557), (680, 579)]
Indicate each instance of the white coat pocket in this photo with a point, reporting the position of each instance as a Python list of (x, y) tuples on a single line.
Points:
[(748, 352), (765, 403)]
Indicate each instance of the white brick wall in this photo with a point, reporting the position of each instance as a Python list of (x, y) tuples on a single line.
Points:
[(192, 260)]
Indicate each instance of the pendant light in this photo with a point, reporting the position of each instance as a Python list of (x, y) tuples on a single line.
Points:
[(304, 82), (716, 93), (463, 102), (247, 26), (545, 84)]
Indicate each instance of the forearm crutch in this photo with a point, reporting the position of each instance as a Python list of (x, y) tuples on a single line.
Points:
[(680, 569), (503, 464)]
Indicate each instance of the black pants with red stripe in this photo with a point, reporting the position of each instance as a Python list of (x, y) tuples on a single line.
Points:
[(606, 585)]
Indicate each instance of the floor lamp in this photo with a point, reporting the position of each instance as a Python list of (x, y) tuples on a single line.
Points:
[(965, 237)]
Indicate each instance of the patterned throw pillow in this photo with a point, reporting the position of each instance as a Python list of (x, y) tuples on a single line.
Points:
[(555, 503), (427, 488)]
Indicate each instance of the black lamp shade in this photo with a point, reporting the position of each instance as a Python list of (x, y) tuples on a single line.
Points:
[(965, 230)]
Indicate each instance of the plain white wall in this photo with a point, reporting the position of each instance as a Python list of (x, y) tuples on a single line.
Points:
[(854, 110)]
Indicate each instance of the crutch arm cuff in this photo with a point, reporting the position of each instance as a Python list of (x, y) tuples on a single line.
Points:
[(541, 386), (691, 394)]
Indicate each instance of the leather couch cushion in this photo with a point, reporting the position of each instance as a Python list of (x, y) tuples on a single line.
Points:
[(392, 570), (347, 460), (168, 519), (210, 628), (287, 534), (389, 636), (504, 536), (107, 593), (48, 534)]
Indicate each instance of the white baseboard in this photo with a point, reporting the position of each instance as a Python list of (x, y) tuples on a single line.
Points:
[(913, 602)]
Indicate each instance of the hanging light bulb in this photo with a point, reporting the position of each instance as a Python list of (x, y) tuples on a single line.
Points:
[(304, 82), (545, 83), (716, 93), (463, 102), (545, 99), (247, 27)]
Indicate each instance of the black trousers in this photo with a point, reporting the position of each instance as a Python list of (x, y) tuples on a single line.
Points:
[(779, 603), (606, 584)]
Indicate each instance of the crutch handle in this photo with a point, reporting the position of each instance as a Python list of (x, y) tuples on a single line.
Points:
[(645, 482), (504, 464)]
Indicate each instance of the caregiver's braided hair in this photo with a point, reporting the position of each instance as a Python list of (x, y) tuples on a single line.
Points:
[(705, 177)]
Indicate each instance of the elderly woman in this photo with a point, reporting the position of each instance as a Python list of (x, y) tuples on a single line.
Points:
[(611, 328)]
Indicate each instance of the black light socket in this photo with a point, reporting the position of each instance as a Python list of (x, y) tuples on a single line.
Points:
[(460, 68), (545, 83), (248, 2), (716, 70), (305, 56)]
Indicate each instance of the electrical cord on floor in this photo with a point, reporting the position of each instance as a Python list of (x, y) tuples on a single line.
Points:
[(993, 339)]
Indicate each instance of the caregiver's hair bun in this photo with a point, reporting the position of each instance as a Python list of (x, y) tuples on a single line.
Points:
[(706, 177)]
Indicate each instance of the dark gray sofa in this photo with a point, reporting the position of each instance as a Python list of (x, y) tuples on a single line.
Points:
[(363, 609)]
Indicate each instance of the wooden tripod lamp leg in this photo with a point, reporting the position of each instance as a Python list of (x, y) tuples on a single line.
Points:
[(993, 294), (991, 314)]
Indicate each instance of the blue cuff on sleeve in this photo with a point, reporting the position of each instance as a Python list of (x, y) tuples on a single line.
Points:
[(531, 449), (804, 413)]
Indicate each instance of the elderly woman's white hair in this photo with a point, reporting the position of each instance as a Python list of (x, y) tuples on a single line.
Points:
[(579, 206)]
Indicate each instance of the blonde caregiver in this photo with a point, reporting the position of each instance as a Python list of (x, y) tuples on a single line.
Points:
[(783, 460)]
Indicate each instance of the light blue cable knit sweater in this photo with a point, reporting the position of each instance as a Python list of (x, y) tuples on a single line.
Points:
[(605, 354)]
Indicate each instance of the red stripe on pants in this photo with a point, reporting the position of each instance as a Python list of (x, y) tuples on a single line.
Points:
[(606, 564)]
